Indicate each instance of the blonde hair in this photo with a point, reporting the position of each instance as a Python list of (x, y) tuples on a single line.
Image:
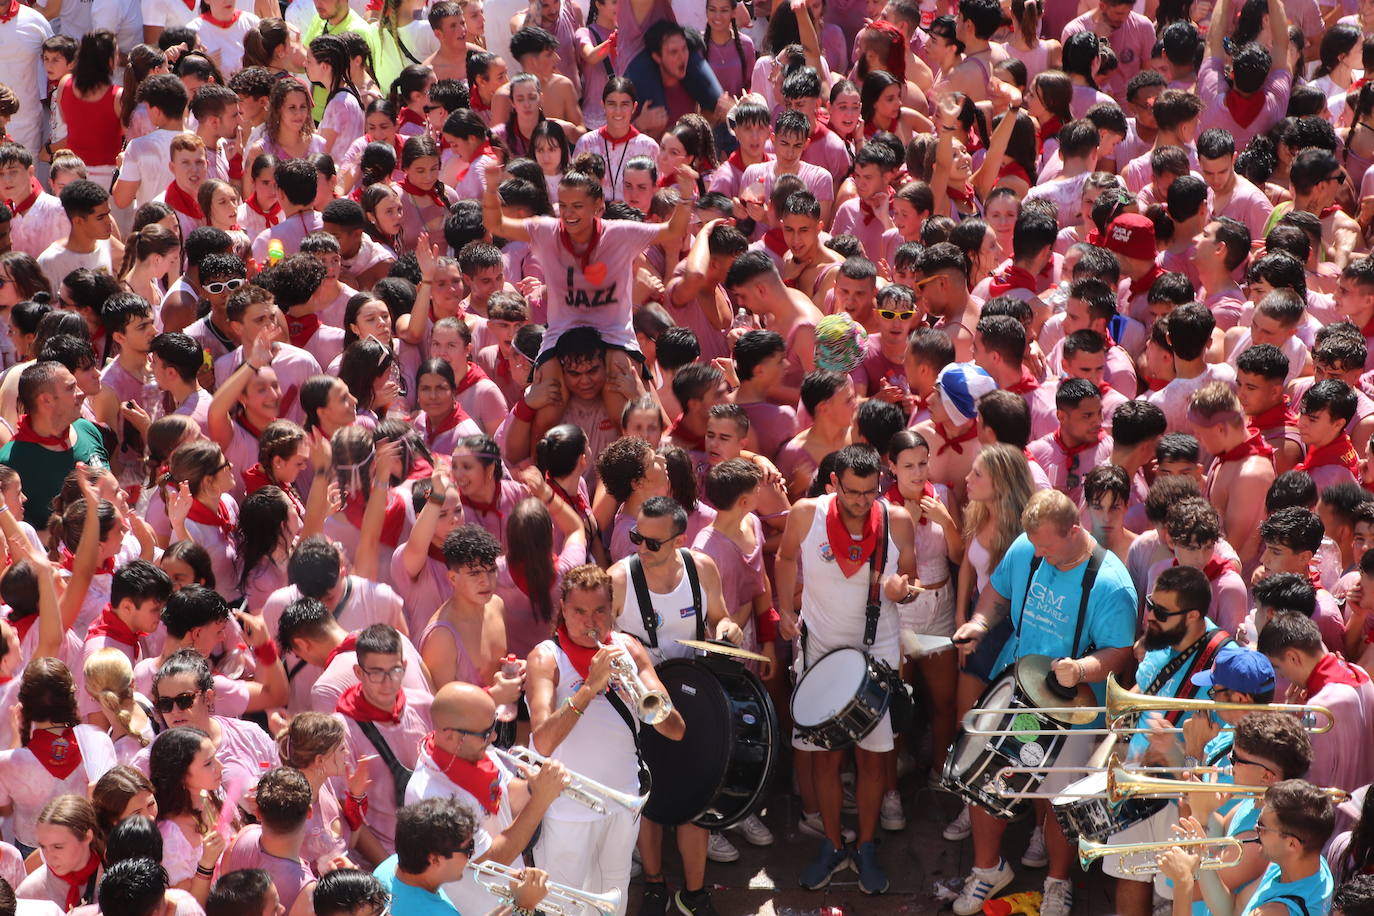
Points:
[(1008, 469), (309, 736), (1215, 399), (110, 679), (1050, 507)]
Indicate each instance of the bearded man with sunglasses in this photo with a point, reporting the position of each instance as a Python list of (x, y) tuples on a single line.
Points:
[(664, 593)]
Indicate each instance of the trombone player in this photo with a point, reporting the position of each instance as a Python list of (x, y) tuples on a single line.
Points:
[(455, 761)]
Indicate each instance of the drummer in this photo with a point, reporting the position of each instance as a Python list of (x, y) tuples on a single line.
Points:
[(664, 592), (1070, 599), (1180, 640)]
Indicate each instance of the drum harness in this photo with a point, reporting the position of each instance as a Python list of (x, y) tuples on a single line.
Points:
[(1089, 580)]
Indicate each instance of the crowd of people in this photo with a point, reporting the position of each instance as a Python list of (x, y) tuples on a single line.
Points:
[(388, 380)]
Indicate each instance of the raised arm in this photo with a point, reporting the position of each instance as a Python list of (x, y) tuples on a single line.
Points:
[(221, 424), (411, 328), (1278, 26), (87, 554), (986, 179), (386, 463), (947, 119), (1221, 23), (498, 223)]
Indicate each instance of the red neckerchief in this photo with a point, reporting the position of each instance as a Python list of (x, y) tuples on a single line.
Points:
[(1155, 384), (1047, 131), (869, 214), (435, 194), (579, 656), (965, 197), (1328, 210), (774, 242), (25, 433), (1026, 384), (1332, 669), (1254, 444), (605, 133), (481, 780), (502, 364), (955, 443), (242, 419), (269, 217), (60, 754), (850, 554), (10, 12), (1071, 450), (222, 23), (182, 202), (1014, 169), (481, 508), (894, 496), (517, 575), (301, 329), (76, 881), (455, 416), (392, 522), (109, 625), (1278, 415), (1216, 567), (22, 206), (474, 375), (574, 499), (871, 128), (484, 150), (254, 479), (596, 278), (350, 642), (22, 625), (204, 515), (693, 441), (737, 160), (1244, 108), (67, 559), (475, 100), (357, 707), (1339, 451), (1013, 277), (395, 143), (408, 116), (1142, 286)]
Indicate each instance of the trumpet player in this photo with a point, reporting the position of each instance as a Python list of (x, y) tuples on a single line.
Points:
[(664, 593), (576, 718), (455, 762)]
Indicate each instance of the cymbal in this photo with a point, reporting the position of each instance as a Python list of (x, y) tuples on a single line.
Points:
[(1032, 676), (721, 647)]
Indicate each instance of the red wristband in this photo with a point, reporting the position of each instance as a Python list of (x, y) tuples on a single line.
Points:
[(266, 653), (523, 411)]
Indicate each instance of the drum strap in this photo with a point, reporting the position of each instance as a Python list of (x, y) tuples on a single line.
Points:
[(645, 780), (646, 601), (1089, 578), (877, 562), (400, 773)]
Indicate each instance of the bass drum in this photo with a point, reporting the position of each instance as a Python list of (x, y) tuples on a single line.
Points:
[(715, 776)]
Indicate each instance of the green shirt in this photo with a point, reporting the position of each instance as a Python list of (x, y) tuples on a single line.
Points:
[(42, 470), (352, 23)]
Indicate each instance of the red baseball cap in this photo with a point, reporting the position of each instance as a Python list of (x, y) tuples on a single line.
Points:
[(1132, 235)]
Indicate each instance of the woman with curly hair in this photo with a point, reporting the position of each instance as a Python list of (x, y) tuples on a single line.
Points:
[(187, 777)]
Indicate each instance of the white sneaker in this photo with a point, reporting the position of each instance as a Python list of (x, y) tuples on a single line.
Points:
[(1057, 899), (981, 886), (756, 833), (813, 825), (719, 849), (1036, 856), (960, 828), (891, 816)]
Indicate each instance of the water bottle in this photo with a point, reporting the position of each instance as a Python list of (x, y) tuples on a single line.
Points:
[(1058, 299), (275, 251), (506, 711)]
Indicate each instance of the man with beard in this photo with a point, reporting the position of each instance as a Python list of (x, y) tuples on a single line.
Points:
[(1180, 640)]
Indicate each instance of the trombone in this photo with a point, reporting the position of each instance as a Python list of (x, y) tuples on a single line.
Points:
[(653, 706), (1216, 852), (1123, 784), (501, 881), (580, 789), (999, 782), (1121, 703)]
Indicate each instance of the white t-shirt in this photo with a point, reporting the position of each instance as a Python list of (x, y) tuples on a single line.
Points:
[(21, 69), (58, 261), (148, 161), (227, 42)]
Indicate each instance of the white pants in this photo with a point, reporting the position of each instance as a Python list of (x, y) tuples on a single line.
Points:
[(592, 855)]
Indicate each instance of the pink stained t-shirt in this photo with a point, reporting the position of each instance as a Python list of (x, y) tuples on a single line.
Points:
[(771, 426), (1173, 398), (1344, 756), (595, 296), (1212, 87), (1133, 43), (851, 220), (292, 365), (289, 876), (403, 739), (1066, 474), (1044, 420), (422, 595), (524, 629), (816, 179), (339, 676), (27, 785)]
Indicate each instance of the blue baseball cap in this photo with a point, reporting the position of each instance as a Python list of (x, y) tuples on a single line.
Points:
[(1241, 670)]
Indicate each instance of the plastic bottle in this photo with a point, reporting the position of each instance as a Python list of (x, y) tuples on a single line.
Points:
[(510, 667), (275, 251)]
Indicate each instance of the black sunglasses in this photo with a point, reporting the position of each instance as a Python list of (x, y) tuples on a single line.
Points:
[(483, 735), (1160, 612), (653, 544), (182, 701)]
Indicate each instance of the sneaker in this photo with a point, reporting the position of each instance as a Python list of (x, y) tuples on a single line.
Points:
[(655, 900), (719, 849), (872, 878), (960, 828), (1035, 855), (812, 824), (981, 886), (694, 903), (891, 816), (830, 860), (1057, 899), (756, 833)]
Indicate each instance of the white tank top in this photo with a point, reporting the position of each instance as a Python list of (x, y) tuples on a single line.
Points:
[(674, 612), (599, 747), (980, 558), (833, 604)]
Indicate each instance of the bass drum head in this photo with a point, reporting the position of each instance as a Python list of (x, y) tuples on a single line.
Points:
[(688, 774)]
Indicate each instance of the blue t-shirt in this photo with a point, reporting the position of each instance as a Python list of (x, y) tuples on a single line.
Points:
[(1151, 665), (411, 900), (1245, 818), (1310, 896), (1048, 615)]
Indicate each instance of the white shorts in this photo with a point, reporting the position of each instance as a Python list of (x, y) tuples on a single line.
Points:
[(932, 613), (591, 855)]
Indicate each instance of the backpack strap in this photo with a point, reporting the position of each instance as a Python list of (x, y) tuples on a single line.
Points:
[(1089, 579), (400, 773), (645, 780)]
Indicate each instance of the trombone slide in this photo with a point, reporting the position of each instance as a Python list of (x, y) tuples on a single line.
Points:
[(1123, 784)]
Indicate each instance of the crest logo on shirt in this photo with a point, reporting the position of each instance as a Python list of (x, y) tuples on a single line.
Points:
[(827, 554), (58, 751)]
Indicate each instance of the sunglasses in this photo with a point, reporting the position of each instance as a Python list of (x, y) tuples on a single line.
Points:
[(1160, 613), (654, 544), (482, 735), (218, 286), (467, 849), (891, 315), (182, 701)]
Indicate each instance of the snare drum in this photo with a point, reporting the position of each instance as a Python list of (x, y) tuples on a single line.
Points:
[(973, 762), (1095, 818), (841, 698)]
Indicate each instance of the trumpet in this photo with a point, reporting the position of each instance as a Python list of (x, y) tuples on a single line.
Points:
[(1123, 784), (1121, 703), (653, 706), (1216, 852), (582, 790), (501, 881)]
